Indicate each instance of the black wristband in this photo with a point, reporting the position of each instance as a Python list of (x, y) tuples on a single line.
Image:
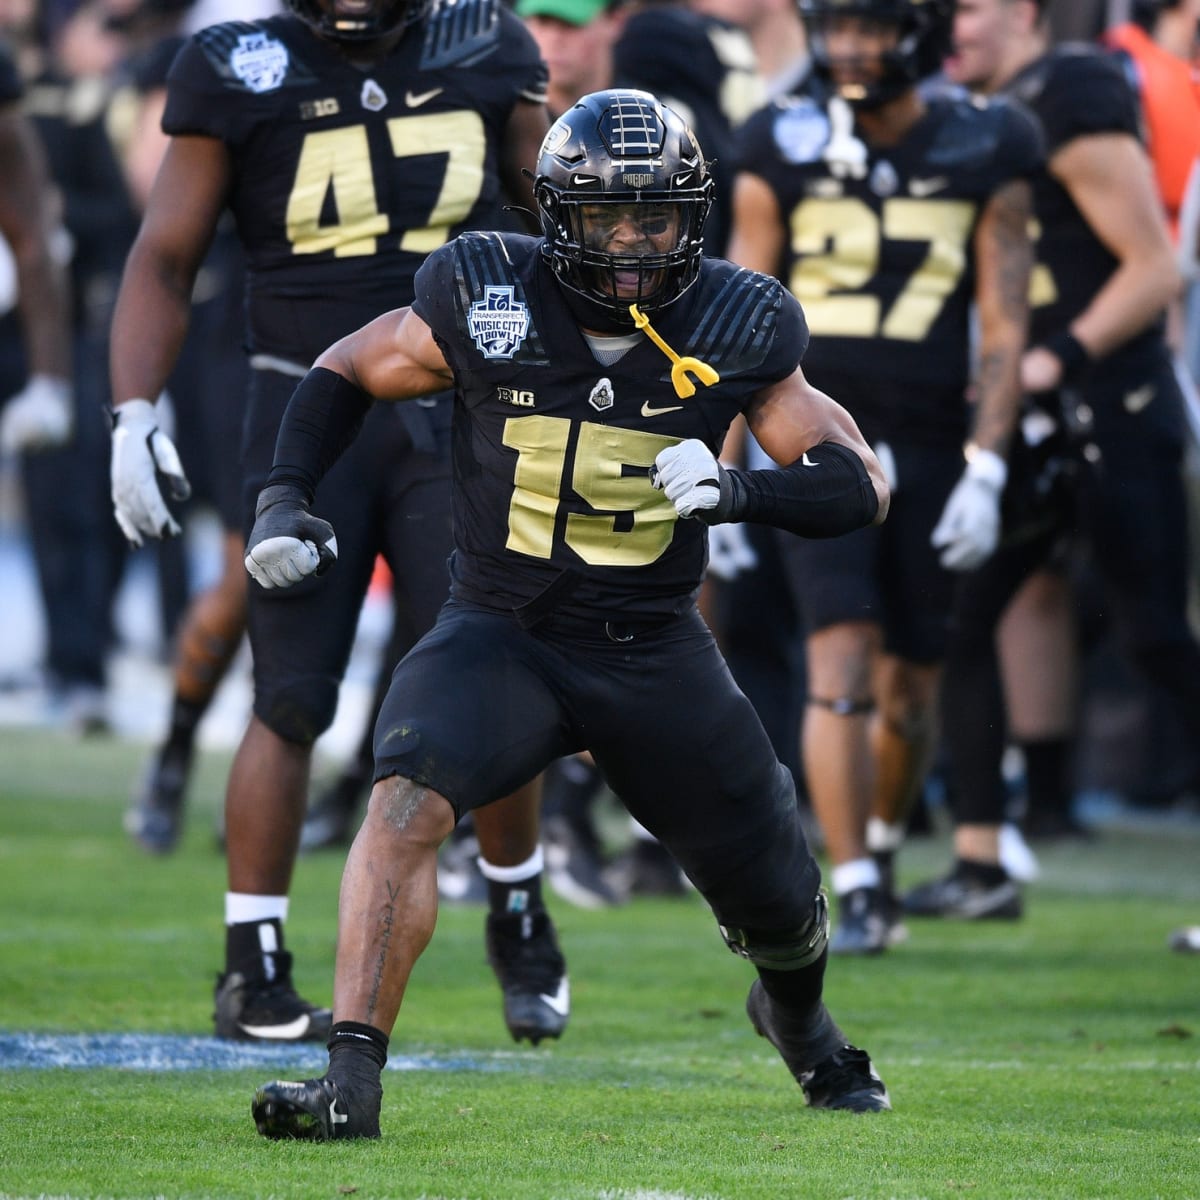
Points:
[(826, 493), (1070, 352), (322, 418)]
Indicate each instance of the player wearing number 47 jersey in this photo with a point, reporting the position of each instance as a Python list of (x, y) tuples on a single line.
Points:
[(596, 372), (890, 214), (349, 139)]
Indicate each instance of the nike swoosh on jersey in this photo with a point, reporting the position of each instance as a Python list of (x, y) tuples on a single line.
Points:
[(561, 1000), (416, 99), (648, 410), (926, 187), (805, 461), (281, 1033)]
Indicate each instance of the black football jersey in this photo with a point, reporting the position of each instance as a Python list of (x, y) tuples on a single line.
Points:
[(552, 450), (883, 264), (10, 80), (706, 70), (1074, 91), (345, 179)]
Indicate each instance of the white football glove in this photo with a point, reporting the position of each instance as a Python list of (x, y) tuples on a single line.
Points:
[(689, 475), (41, 415), (729, 553), (141, 453), (969, 527), (287, 543)]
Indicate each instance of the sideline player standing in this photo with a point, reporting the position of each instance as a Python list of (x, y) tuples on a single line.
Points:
[(890, 214), (572, 621), (350, 139)]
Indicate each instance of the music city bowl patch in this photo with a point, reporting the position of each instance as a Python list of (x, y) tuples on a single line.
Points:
[(498, 323)]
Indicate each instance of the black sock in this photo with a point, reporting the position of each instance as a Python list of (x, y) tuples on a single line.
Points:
[(1046, 775), (357, 1054), (799, 991), (985, 873), (524, 896), (181, 734), (885, 860), (353, 1038)]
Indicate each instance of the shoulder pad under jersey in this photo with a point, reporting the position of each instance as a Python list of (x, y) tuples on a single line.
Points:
[(459, 31), (252, 57), (973, 132), (486, 278), (736, 319)]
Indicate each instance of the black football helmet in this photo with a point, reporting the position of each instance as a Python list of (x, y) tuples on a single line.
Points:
[(377, 18), (621, 147), (924, 33)]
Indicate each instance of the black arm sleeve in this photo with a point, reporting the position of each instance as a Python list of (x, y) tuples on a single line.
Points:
[(322, 418), (825, 493)]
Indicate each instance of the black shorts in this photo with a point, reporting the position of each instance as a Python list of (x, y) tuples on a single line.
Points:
[(888, 574), (383, 496), (481, 706)]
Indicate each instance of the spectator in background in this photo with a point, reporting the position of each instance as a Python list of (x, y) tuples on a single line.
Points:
[(575, 38)]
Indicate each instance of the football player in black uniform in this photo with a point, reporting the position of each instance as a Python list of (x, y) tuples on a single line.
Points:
[(572, 622), (889, 214), (349, 139), (1098, 363), (39, 415)]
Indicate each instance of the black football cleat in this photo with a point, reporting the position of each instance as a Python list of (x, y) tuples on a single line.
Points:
[(253, 1008), (845, 1080), (523, 951), (830, 1072), (155, 819), (965, 898), (313, 1111), (863, 925)]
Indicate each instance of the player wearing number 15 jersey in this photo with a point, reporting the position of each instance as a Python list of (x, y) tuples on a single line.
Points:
[(349, 138), (590, 368), (889, 214)]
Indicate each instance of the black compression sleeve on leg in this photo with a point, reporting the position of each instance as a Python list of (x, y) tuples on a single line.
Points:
[(323, 417), (825, 493)]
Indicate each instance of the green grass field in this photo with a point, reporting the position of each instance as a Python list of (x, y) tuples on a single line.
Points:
[(1057, 1057)]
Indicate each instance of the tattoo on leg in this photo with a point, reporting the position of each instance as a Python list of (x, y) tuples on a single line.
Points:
[(387, 920)]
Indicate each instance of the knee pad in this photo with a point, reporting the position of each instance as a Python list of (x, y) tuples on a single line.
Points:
[(843, 706), (783, 950), (298, 712)]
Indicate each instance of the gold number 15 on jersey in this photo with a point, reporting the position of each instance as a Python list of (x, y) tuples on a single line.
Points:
[(632, 523), (339, 161)]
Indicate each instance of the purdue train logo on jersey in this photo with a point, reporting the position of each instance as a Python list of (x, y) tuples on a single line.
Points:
[(259, 61), (498, 323)]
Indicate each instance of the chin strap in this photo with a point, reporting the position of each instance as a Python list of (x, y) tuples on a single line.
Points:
[(680, 367)]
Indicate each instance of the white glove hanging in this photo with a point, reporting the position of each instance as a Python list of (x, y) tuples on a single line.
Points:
[(141, 453), (729, 551), (40, 416), (969, 527)]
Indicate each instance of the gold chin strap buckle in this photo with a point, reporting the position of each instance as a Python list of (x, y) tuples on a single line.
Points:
[(681, 368)]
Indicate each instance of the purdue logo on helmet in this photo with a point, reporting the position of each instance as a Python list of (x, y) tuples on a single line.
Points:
[(923, 29), (616, 154), (375, 19)]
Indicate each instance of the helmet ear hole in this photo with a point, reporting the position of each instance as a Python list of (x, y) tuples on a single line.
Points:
[(622, 148)]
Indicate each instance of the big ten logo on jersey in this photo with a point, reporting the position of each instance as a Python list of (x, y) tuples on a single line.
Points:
[(515, 396), (311, 110)]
